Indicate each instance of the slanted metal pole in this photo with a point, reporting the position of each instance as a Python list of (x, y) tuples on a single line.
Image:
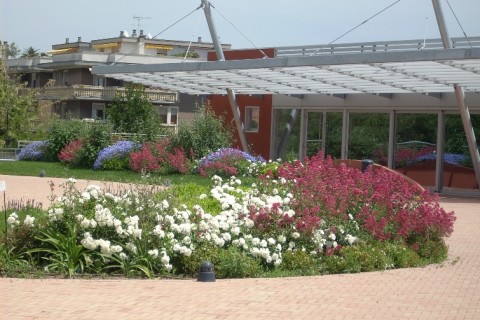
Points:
[(460, 95), (286, 133), (231, 94)]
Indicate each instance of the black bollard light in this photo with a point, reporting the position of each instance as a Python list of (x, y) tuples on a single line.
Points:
[(206, 272), (365, 164)]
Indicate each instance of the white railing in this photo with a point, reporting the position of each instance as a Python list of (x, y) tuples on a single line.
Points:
[(369, 47), (101, 93)]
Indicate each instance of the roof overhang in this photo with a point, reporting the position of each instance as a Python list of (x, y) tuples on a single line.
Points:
[(423, 71)]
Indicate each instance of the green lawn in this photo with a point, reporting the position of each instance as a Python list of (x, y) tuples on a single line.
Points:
[(58, 170)]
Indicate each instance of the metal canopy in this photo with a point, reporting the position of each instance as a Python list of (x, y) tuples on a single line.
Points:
[(423, 71)]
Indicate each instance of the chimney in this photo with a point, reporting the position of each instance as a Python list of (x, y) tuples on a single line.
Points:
[(79, 39), (134, 33), (199, 39), (122, 34), (67, 40)]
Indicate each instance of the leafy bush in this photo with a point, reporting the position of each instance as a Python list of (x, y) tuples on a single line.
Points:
[(35, 151), (114, 157), (97, 137), (299, 261), (134, 113), (205, 133), (61, 132)]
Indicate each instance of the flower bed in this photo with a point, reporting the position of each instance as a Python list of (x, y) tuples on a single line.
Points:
[(314, 218)]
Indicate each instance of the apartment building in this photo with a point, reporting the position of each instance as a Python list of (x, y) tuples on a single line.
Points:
[(66, 87)]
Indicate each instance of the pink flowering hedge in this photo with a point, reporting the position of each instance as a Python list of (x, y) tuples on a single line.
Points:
[(386, 206)]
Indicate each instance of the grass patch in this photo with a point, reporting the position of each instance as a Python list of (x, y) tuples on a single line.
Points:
[(58, 170)]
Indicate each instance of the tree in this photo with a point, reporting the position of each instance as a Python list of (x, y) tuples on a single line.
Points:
[(30, 52), (12, 50), (134, 113), (16, 110)]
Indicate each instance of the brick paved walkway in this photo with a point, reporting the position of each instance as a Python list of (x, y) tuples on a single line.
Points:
[(447, 291)]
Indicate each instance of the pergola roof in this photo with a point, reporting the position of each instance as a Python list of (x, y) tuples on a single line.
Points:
[(423, 71)]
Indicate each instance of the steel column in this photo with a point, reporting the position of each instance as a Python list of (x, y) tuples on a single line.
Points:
[(302, 152), (345, 134), (231, 94), (460, 95), (392, 131), (440, 151)]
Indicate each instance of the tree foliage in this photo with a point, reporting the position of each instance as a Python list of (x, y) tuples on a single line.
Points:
[(204, 134), (134, 113), (17, 109), (30, 52)]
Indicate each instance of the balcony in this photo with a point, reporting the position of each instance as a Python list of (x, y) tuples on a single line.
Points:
[(85, 92)]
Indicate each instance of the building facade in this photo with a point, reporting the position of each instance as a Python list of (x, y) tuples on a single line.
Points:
[(67, 88)]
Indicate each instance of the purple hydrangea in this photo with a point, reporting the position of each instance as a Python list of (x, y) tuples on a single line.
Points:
[(231, 153), (33, 151), (228, 155), (118, 150), (451, 158)]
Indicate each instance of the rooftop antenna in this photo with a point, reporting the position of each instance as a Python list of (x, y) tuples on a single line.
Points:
[(138, 18)]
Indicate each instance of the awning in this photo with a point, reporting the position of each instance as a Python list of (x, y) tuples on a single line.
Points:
[(105, 45), (423, 71), (59, 51)]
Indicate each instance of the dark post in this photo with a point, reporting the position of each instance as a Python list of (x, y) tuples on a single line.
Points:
[(365, 164)]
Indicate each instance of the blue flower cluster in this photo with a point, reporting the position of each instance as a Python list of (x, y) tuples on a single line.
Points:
[(34, 151), (229, 153), (117, 150), (452, 158)]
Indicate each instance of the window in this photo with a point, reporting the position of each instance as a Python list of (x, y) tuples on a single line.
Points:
[(252, 118), (98, 111), (169, 115)]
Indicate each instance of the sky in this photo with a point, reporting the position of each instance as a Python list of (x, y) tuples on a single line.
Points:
[(241, 23)]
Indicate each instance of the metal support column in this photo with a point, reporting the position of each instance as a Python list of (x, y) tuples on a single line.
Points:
[(440, 151), (345, 134), (324, 134), (302, 152), (286, 133), (460, 95), (392, 141), (231, 94)]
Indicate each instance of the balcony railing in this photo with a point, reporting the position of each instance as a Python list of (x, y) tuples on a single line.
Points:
[(84, 92)]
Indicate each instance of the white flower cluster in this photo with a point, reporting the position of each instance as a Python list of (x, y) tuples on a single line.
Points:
[(12, 220), (105, 246), (55, 214)]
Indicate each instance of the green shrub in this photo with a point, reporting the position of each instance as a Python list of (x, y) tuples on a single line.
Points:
[(204, 252), (236, 264), (116, 164), (357, 258), (97, 137), (62, 132), (299, 261), (204, 134)]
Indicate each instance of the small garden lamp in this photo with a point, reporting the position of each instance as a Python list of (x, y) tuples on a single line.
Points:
[(206, 272)]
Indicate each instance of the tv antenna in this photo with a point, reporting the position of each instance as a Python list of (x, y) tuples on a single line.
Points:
[(139, 19)]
